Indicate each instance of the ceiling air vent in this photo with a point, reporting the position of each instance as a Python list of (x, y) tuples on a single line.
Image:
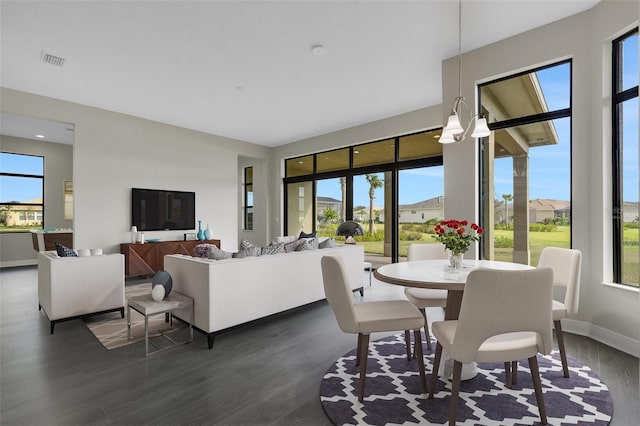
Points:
[(51, 59)]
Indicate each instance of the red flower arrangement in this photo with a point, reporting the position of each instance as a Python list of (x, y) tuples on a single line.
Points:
[(455, 235)]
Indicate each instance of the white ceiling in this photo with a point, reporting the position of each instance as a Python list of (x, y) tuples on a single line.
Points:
[(244, 69)]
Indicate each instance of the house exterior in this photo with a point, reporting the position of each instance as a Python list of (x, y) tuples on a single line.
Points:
[(422, 211), (22, 215), (541, 209)]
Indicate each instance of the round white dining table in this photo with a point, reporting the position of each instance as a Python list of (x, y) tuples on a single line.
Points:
[(437, 274)]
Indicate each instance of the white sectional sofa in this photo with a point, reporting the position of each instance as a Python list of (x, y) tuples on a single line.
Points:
[(74, 287), (231, 292)]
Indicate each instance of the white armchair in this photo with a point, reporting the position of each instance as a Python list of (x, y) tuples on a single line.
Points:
[(74, 287)]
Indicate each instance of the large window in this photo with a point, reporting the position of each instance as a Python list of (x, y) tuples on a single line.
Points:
[(392, 187), (526, 164), (248, 198), (21, 192), (625, 159)]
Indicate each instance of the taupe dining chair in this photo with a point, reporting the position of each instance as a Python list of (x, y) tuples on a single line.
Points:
[(505, 316), (566, 264), (424, 298), (368, 317)]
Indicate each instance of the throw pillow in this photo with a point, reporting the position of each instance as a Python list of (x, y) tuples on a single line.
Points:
[(328, 243), (273, 249), (305, 246), (84, 252), (215, 253), (244, 244), (292, 246), (201, 250), (64, 251), (303, 235), (248, 252)]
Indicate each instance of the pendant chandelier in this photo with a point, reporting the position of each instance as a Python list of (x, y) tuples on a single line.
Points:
[(454, 131)]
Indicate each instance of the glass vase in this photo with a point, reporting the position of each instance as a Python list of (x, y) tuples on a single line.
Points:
[(455, 260), (200, 231)]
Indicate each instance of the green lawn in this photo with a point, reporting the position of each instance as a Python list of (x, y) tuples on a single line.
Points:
[(537, 241)]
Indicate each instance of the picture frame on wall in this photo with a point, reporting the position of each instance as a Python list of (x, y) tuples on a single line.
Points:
[(190, 236)]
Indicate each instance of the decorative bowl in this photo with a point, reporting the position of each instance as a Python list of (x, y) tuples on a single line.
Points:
[(152, 240)]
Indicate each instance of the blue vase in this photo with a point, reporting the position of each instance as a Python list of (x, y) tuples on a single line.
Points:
[(200, 231)]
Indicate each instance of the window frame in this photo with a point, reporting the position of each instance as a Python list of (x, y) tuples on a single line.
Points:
[(393, 166), (523, 121), (29, 176), (618, 97), (246, 208)]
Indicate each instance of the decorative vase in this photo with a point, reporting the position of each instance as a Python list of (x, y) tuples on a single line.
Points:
[(134, 234), (200, 231), (207, 233), (157, 293), (455, 260)]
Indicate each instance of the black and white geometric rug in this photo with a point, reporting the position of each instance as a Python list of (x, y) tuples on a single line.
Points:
[(393, 394)]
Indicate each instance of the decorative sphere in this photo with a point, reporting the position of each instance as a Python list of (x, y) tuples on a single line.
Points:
[(164, 279), (157, 293)]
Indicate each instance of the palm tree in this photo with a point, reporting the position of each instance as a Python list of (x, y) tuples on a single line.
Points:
[(374, 183), (507, 198), (330, 215)]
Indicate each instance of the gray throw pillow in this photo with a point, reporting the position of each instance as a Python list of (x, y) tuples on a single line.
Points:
[(244, 244), (248, 252), (305, 246), (217, 254), (292, 246), (276, 248), (328, 243)]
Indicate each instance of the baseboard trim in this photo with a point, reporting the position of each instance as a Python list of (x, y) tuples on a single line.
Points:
[(17, 263), (603, 335)]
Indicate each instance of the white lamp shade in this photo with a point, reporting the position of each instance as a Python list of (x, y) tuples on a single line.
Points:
[(453, 126), (482, 129), (446, 138)]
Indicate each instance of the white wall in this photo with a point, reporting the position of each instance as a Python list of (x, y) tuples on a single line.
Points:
[(16, 249), (115, 152), (609, 313)]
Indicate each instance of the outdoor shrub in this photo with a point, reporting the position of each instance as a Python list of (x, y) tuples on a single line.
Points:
[(410, 236), (503, 242), (539, 227)]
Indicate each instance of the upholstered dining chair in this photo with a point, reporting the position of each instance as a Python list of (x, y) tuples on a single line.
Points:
[(505, 316), (368, 317), (424, 298), (566, 264)]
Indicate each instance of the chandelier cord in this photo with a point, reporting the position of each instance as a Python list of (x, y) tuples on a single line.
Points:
[(460, 48)]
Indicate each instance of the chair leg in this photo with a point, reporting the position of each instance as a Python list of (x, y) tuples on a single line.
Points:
[(455, 392), (407, 340), (507, 374), (426, 332), (434, 370), (358, 349), (514, 372), (537, 385), (364, 352), (563, 354), (423, 378)]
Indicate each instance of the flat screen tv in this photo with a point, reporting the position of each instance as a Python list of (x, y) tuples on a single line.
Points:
[(159, 210)]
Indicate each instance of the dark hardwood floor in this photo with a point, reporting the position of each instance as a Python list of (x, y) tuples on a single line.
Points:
[(266, 373)]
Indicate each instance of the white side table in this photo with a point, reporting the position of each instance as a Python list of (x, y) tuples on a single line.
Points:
[(146, 306)]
